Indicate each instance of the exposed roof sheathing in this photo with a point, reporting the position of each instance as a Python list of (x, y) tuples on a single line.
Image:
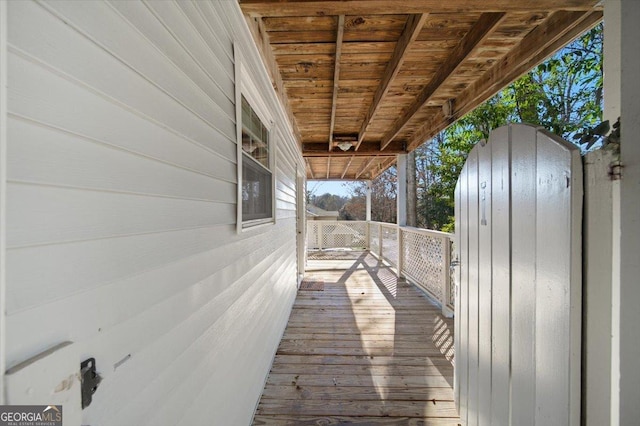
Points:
[(387, 75)]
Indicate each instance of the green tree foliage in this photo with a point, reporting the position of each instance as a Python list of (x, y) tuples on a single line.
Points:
[(383, 199), (356, 207), (563, 94), (439, 163), (329, 202)]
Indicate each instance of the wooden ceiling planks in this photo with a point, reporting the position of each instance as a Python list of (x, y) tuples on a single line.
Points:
[(346, 168), (409, 34), (469, 42), (309, 169), (561, 27), (385, 7), (365, 167), (378, 73)]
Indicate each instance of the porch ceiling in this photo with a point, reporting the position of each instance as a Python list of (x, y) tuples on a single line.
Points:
[(387, 75)]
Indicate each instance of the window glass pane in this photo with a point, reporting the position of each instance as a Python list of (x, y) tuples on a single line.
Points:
[(246, 142), (256, 125), (246, 111), (256, 191), (255, 136)]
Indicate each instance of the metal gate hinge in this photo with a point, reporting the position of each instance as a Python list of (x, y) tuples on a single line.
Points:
[(615, 170), (453, 264), (90, 380)]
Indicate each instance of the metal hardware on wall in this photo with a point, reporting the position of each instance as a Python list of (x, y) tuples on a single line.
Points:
[(615, 170), (90, 381)]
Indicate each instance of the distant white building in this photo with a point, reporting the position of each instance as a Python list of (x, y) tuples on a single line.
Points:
[(316, 213)]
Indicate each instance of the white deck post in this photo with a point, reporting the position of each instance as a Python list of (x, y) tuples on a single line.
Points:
[(629, 253), (368, 201), (612, 239), (601, 241), (401, 168), (600, 193)]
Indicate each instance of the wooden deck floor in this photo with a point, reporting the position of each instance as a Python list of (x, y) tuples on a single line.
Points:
[(368, 349)]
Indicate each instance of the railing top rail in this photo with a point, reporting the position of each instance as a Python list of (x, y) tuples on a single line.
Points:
[(383, 223), (429, 232), (343, 222), (424, 231)]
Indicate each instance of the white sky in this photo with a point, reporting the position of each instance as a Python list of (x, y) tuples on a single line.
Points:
[(320, 187)]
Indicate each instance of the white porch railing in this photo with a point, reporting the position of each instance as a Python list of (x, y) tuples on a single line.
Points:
[(420, 255)]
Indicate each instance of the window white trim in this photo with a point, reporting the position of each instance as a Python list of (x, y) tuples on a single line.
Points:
[(245, 86)]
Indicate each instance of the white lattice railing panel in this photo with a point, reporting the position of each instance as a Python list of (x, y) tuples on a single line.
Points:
[(390, 243), (324, 234), (423, 261), (344, 235), (374, 238), (424, 258), (313, 240)]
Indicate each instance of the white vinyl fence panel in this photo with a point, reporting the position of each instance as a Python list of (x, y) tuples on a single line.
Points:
[(518, 218)]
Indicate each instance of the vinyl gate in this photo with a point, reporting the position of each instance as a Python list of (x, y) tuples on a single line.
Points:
[(518, 310)]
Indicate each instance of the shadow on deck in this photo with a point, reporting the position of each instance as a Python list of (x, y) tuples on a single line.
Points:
[(368, 349)]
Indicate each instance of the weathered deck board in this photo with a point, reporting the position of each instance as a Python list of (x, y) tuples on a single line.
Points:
[(369, 349), (280, 420)]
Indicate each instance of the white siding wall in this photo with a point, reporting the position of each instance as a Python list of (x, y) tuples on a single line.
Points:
[(121, 208)]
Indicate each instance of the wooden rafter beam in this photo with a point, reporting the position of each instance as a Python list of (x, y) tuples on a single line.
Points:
[(366, 166), (336, 78), (384, 166), (468, 45), (558, 30), (392, 7), (409, 34), (319, 149), (309, 168), (347, 167), (339, 154), (261, 38), (328, 166)]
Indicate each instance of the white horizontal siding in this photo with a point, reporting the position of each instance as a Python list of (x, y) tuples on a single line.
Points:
[(121, 208), (51, 215), (54, 157), (71, 52), (45, 98)]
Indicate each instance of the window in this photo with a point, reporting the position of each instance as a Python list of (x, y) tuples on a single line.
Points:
[(257, 185)]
